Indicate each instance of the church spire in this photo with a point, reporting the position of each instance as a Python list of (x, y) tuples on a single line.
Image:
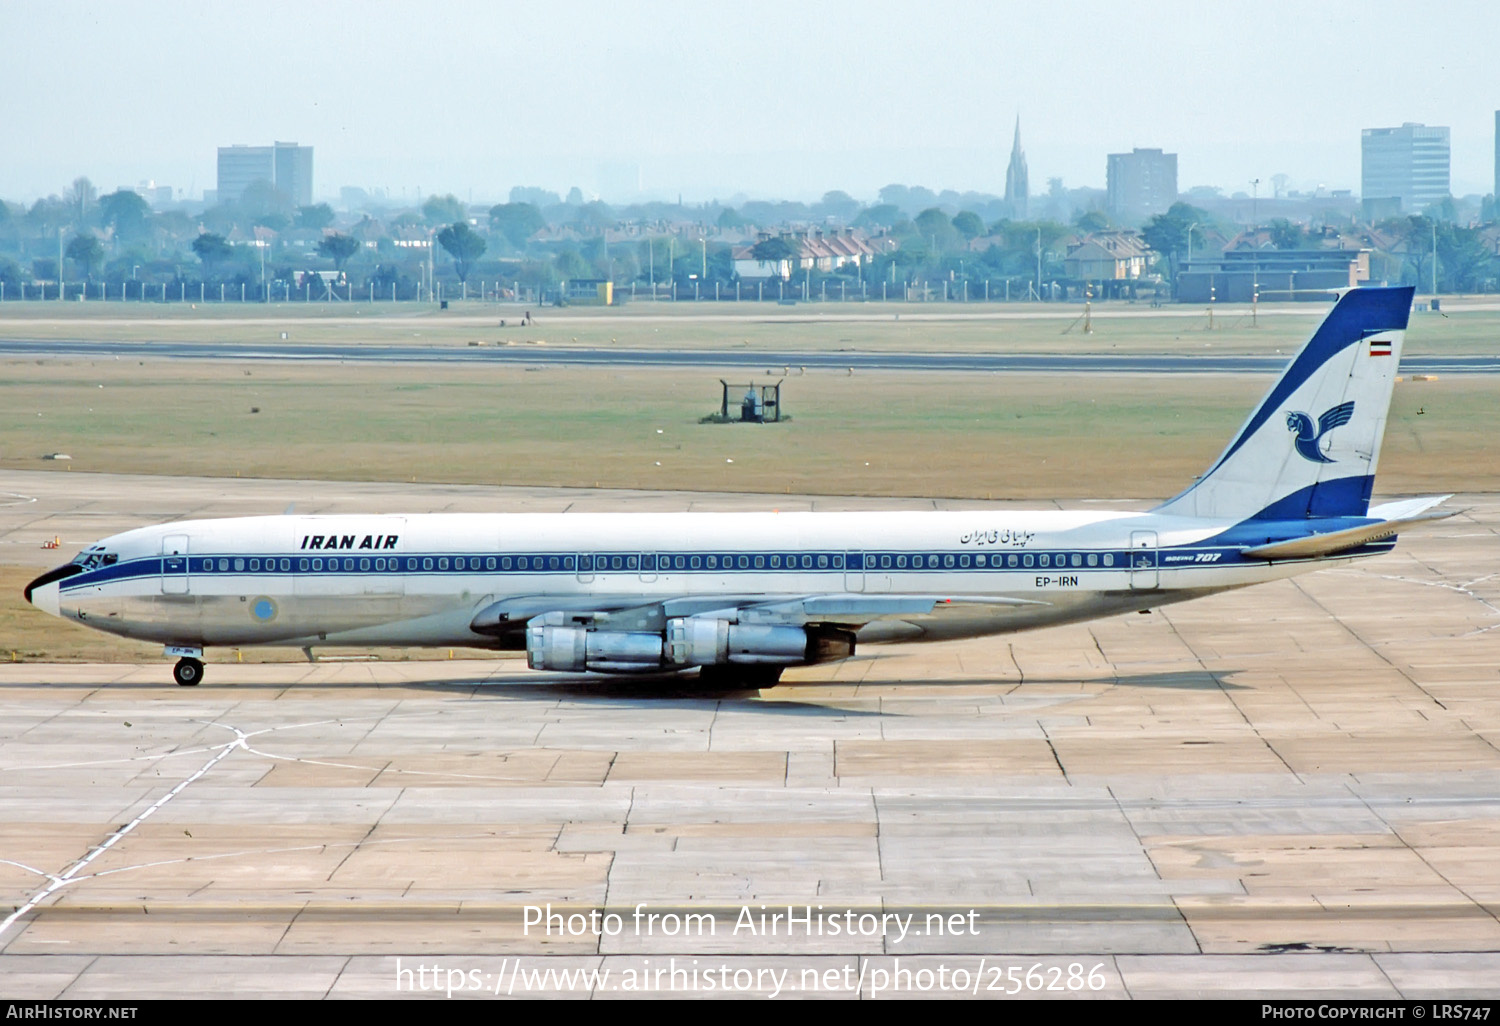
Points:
[(1017, 190)]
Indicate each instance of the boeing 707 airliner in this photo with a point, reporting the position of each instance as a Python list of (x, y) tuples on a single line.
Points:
[(741, 596)]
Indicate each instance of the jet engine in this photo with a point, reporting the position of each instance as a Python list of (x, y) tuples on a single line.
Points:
[(687, 642)]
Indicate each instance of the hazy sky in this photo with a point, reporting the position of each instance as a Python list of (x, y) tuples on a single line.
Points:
[(768, 98)]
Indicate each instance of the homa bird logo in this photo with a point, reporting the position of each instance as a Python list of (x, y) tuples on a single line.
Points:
[(1309, 445)]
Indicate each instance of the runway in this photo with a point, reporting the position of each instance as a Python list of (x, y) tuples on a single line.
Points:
[(533, 355), (1289, 791)]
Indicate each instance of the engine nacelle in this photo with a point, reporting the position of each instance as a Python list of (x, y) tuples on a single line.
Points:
[(574, 648), (703, 641)]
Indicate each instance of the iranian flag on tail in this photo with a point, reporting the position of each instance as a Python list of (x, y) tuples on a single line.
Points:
[(1380, 347)]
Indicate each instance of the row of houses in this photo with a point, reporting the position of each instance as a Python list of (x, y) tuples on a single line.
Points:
[(812, 249)]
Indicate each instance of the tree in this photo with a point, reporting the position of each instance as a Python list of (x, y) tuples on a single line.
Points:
[(85, 251), (518, 222), (936, 229), (839, 204), (464, 245), (126, 212), (443, 209), (213, 250), (1168, 233), (968, 224), (882, 214), (1285, 234), (338, 248), (315, 218), (1090, 221), (570, 264)]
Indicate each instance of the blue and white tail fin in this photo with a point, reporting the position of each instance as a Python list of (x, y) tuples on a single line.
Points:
[(1311, 446)]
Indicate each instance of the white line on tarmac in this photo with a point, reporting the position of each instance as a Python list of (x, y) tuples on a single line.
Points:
[(114, 838)]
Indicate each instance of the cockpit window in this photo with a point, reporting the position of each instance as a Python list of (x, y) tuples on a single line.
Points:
[(90, 559)]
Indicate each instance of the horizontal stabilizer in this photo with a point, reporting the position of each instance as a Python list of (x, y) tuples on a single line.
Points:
[(1398, 516)]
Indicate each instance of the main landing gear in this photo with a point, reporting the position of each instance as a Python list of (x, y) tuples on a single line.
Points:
[(739, 676), (188, 672)]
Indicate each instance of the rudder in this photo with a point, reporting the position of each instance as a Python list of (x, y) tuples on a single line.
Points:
[(1311, 446)]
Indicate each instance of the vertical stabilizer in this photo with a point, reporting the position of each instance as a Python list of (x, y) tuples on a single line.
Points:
[(1311, 446)]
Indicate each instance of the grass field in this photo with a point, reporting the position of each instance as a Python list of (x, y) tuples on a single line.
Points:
[(1118, 327), (877, 433)]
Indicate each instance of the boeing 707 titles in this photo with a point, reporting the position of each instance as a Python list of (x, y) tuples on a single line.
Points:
[(741, 596)]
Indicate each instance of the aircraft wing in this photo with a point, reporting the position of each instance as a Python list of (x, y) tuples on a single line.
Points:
[(1395, 516), (845, 608)]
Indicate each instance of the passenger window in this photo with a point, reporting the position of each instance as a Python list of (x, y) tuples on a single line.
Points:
[(286, 564), (901, 562), (744, 562), (822, 562), (1093, 559), (1011, 560), (317, 564), (567, 562), (505, 562), (553, 563), (1109, 559), (1044, 559), (302, 566), (254, 565), (1076, 559), (711, 562), (807, 562), (364, 564), (979, 560), (680, 562), (947, 560), (616, 563), (458, 564), (885, 562), (632, 562), (1026, 560), (489, 564), (775, 562), (962, 560), (522, 563), (427, 563), (239, 565), (838, 562)]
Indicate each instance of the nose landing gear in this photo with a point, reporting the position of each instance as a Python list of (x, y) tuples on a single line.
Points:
[(188, 672), (189, 669)]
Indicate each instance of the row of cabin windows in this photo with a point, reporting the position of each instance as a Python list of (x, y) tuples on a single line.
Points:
[(651, 562)]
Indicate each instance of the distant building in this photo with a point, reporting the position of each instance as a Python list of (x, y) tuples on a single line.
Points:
[(1276, 275), (1141, 183), (819, 250), (1110, 259), (1016, 187), (294, 172), (241, 167), (285, 166), (1407, 164)]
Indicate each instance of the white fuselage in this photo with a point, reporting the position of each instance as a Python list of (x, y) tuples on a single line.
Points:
[(423, 579)]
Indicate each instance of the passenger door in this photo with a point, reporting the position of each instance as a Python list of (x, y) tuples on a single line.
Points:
[(174, 564)]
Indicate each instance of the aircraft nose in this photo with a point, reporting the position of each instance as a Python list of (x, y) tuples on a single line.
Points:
[(43, 592)]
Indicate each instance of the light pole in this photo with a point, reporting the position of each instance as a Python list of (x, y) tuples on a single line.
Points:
[(1039, 263), (1254, 203)]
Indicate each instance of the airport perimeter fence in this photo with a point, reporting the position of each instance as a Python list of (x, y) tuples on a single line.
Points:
[(314, 290)]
